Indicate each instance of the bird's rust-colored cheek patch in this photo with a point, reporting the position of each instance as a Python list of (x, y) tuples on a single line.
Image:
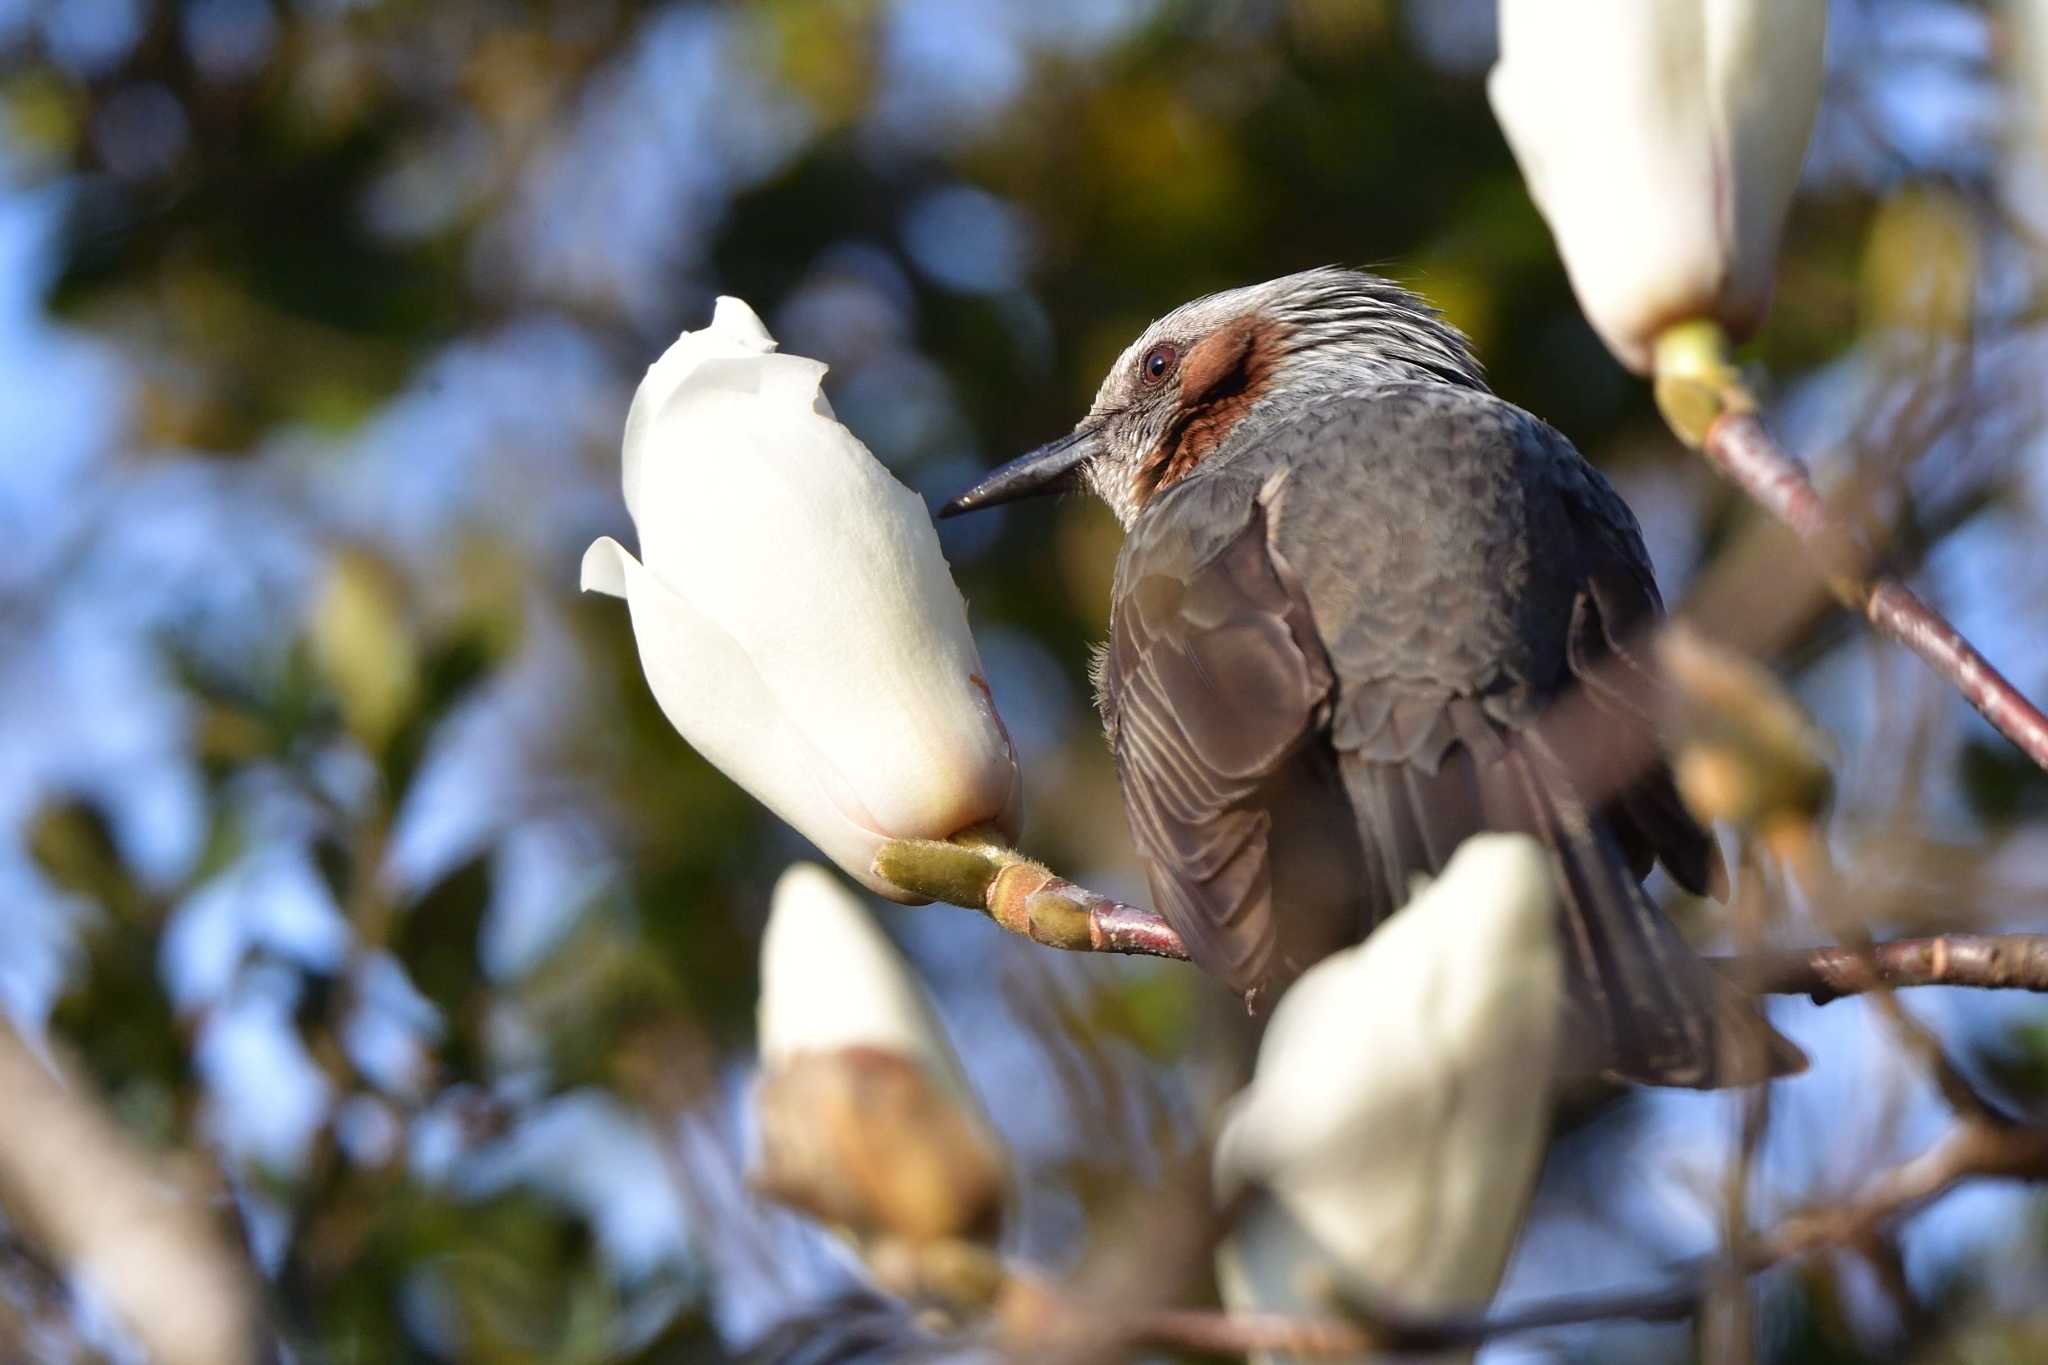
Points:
[(1221, 378)]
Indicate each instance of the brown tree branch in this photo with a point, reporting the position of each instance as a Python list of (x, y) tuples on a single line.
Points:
[(1385, 1331), (105, 1209), (1025, 897), (1028, 899), (1986, 961), (1741, 449)]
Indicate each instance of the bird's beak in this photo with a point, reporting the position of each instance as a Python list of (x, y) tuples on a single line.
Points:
[(1049, 469)]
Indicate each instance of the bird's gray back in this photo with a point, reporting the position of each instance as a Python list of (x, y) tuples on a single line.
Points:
[(1437, 532)]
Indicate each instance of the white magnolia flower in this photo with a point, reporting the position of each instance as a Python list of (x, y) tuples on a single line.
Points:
[(1396, 1119), (830, 979), (795, 617), (866, 1120), (1662, 140)]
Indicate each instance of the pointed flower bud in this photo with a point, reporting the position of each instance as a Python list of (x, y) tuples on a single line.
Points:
[(795, 617), (866, 1119), (1662, 142), (1395, 1121)]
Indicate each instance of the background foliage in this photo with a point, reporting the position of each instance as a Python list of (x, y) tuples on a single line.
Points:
[(344, 842)]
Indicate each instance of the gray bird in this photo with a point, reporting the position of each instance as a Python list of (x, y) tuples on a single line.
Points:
[(1352, 581)]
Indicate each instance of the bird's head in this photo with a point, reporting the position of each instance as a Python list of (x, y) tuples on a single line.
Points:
[(1176, 394)]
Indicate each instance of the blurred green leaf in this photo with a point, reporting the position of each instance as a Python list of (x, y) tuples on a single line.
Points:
[(437, 939), (451, 667), (72, 844), (363, 645)]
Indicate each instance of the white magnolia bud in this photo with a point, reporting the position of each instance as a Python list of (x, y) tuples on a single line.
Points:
[(795, 617), (830, 979), (866, 1120), (1662, 140), (1396, 1118)]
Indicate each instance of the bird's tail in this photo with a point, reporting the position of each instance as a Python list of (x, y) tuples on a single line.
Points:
[(1647, 1008), (1653, 1011)]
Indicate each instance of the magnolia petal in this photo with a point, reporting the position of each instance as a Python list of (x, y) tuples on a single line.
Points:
[(788, 381), (1616, 146), (828, 574), (1767, 63), (781, 533), (1407, 1177), (735, 331), (709, 692), (1661, 143), (735, 320), (604, 567), (830, 979)]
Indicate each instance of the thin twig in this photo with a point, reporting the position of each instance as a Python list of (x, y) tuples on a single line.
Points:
[(1740, 448), (1970, 1151), (1805, 854), (1729, 1324)]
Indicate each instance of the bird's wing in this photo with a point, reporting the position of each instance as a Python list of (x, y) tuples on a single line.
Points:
[(1463, 549), (1213, 683), (1469, 568)]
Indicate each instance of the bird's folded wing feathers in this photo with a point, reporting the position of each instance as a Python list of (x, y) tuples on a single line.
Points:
[(1213, 682)]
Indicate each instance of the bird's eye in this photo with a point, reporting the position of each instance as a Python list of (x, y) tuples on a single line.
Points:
[(1158, 363)]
